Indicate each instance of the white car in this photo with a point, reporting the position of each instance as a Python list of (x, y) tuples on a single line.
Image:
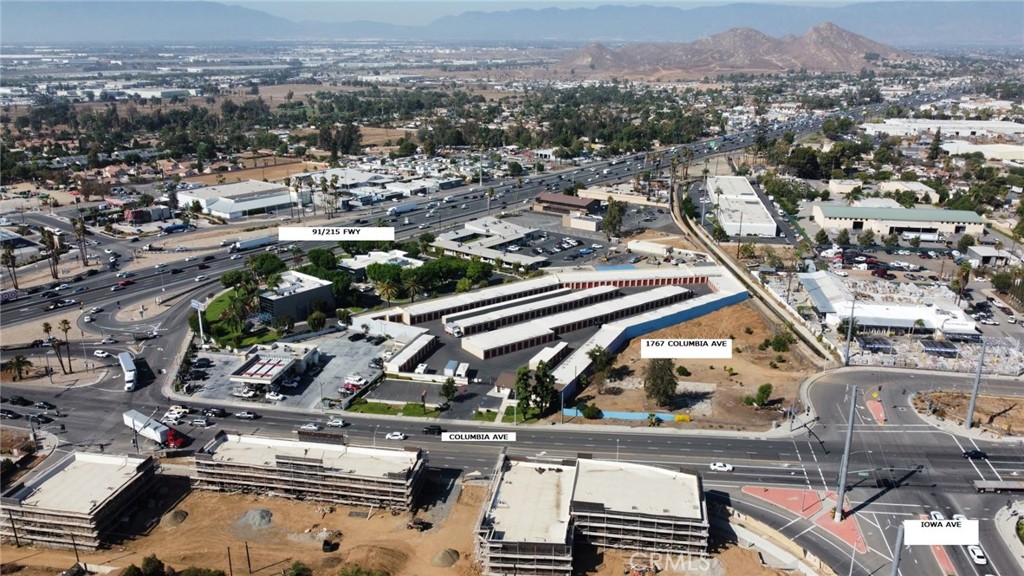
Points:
[(840, 273), (421, 369), (977, 555), (178, 409), (236, 256), (87, 319), (95, 309), (336, 423), (356, 381), (190, 258), (395, 436), (597, 246), (108, 251), (936, 515), (108, 340), (200, 278), (959, 517), (721, 467), (172, 419), (310, 426), (160, 265), (101, 354), (274, 396)]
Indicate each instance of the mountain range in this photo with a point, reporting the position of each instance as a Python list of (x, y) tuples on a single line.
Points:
[(824, 48), (903, 24)]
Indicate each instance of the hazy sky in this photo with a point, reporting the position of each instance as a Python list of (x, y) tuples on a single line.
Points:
[(422, 11)]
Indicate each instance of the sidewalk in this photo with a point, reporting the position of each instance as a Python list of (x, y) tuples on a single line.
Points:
[(1006, 525), (815, 506)]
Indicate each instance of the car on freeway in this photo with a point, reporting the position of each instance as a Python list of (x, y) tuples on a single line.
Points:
[(116, 288), (176, 270), (190, 258), (201, 277), (311, 427), (977, 555), (108, 251), (395, 436), (336, 423), (246, 415), (975, 455), (274, 395), (721, 467), (209, 258), (160, 265), (236, 256), (39, 418), (936, 515), (44, 405), (172, 419)]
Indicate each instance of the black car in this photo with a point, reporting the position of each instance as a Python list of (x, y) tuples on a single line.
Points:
[(209, 258), (39, 418), (19, 401), (214, 412), (44, 405), (975, 455), (176, 270), (49, 294), (355, 337), (433, 429), (92, 272), (5, 413)]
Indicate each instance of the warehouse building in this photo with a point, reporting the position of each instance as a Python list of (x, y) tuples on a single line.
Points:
[(252, 197), (488, 240), (534, 511), (885, 221), (434, 309), (296, 296), (738, 208), (75, 499), (338, 474), (542, 330), (495, 319)]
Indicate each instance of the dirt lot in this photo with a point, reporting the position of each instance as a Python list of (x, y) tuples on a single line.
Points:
[(711, 395), (271, 169), (201, 529), (998, 414)]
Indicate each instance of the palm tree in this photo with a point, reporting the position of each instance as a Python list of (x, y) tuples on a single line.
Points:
[(65, 327), (919, 323), (16, 366), (413, 285), (273, 281), (298, 255), (9, 260), (388, 290), (48, 329)]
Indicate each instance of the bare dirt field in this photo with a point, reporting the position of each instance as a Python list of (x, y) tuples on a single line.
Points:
[(711, 394), (270, 169), (998, 414), (204, 526)]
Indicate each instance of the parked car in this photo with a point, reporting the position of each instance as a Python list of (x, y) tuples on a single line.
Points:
[(936, 515), (9, 414), (19, 401), (274, 395)]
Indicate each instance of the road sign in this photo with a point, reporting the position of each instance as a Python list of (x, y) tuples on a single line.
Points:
[(198, 305)]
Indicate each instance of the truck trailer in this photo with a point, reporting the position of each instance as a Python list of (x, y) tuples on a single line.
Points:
[(923, 236), (147, 427), (253, 243), (403, 208), (130, 373)]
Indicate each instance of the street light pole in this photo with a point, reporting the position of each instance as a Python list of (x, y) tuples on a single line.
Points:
[(969, 421), (849, 331), (845, 464)]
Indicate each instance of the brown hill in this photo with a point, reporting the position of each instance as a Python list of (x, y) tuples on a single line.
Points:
[(824, 48)]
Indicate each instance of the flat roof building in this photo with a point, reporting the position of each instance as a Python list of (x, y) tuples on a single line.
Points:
[(296, 295), (885, 221), (534, 510), (267, 364), (240, 199), (74, 499), (563, 204), (339, 474), (488, 239), (357, 264), (738, 208)]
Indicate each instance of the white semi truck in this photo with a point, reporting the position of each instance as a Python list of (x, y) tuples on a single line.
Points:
[(130, 373)]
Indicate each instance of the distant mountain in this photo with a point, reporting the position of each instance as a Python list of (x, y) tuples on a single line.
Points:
[(898, 23), (825, 48)]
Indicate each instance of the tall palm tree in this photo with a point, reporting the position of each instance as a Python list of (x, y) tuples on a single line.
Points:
[(298, 255), (65, 327), (48, 330), (413, 285), (388, 290), (16, 366), (273, 281), (9, 260)]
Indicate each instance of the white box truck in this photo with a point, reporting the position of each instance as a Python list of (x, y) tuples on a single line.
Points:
[(130, 373)]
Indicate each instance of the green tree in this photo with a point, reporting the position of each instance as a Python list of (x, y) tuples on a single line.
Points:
[(935, 149), (891, 241), (866, 238), (65, 326), (297, 569), (821, 237), (843, 238), (448, 390), (659, 381), (388, 290), (523, 388), (544, 393), (344, 315), (316, 321), (915, 242), (463, 285), (515, 169), (764, 394), (9, 260), (612, 224), (16, 367), (152, 566), (601, 360), (965, 242)]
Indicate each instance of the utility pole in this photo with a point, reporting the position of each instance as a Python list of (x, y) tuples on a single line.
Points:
[(845, 464), (969, 421), (897, 551), (849, 332)]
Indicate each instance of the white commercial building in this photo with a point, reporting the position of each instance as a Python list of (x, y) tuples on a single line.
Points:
[(885, 221), (738, 208), (489, 239), (357, 264), (949, 128), (240, 199)]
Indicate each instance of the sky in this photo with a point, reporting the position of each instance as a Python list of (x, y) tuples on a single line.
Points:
[(422, 11)]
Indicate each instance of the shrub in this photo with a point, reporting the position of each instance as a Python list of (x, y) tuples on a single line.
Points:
[(591, 412), (772, 364), (780, 358), (748, 330), (682, 371)]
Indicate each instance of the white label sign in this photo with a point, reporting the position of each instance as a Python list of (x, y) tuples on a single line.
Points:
[(940, 532), (690, 349), (478, 436), (334, 233)]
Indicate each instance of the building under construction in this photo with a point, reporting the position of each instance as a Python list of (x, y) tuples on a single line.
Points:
[(534, 510), (74, 499), (339, 474)]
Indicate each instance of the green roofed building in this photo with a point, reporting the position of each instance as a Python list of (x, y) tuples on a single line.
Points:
[(885, 221)]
